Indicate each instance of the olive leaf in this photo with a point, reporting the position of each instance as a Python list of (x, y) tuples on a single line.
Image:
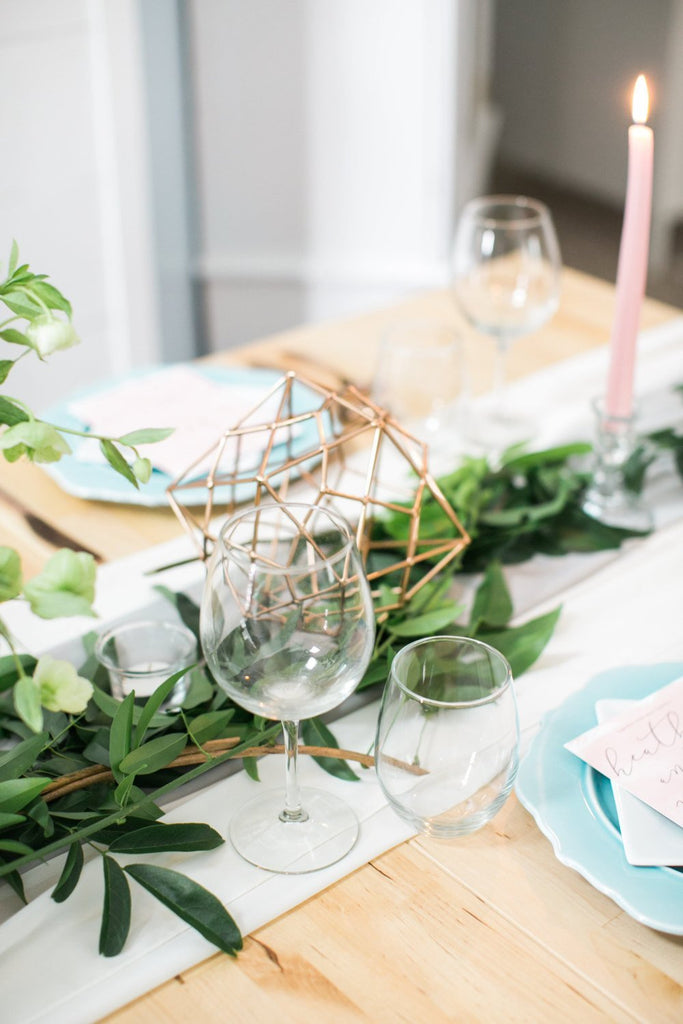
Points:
[(117, 461), (492, 604), (162, 838), (315, 733), (121, 735), (116, 909), (152, 756), (191, 902), (71, 872), (523, 645), (19, 759)]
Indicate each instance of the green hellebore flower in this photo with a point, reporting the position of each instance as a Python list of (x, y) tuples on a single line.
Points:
[(40, 442), (61, 688), (48, 334)]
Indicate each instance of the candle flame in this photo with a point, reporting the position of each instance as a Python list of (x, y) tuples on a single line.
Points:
[(641, 100)]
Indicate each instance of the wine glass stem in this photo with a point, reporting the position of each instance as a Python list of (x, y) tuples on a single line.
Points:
[(500, 369), (293, 811)]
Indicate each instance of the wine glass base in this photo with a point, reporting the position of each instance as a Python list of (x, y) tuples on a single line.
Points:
[(261, 837)]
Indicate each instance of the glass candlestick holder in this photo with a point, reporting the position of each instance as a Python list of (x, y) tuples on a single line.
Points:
[(608, 498)]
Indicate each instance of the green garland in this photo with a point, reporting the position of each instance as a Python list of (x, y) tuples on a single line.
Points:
[(528, 503), (80, 770)]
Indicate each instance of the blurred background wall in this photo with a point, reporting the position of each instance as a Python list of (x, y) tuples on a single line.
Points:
[(196, 173)]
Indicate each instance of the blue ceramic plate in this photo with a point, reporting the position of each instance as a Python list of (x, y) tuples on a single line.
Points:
[(573, 804), (96, 480)]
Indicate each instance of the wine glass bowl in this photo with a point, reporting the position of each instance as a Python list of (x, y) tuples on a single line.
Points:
[(287, 629), (506, 280)]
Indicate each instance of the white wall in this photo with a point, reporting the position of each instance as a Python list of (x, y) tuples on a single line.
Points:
[(564, 71), (74, 187), (330, 159)]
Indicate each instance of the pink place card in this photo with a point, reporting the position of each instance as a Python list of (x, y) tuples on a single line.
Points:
[(199, 409), (641, 750)]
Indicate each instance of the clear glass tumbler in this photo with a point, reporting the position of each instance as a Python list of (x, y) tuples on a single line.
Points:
[(446, 750), (141, 655)]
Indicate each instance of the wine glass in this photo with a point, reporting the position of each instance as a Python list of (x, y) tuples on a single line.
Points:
[(506, 282), (287, 629), (446, 751)]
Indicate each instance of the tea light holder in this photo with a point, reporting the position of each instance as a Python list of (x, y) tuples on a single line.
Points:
[(140, 656), (608, 498)]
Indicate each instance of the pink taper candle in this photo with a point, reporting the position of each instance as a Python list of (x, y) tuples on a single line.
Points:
[(633, 258)]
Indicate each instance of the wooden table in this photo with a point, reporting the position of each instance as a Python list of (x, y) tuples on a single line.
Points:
[(491, 927)]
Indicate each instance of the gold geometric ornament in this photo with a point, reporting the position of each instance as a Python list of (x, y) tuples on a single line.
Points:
[(306, 442)]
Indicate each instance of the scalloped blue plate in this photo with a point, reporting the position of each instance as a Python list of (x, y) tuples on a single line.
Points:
[(97, 481), (574, 807)]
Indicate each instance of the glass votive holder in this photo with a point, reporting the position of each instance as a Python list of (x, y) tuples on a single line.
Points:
[(446, 750), (140, 656)]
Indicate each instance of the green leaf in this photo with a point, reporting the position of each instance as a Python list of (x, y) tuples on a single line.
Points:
[(315, 733), (151, 435), (492, 602), (14, 846), (120, 735), (14, 337), (185, 606), (13, 258), (11, 413), (5, 369), (549, 456), (250, 765), (38, 812), (27, 703), (19, 759), (21, 304), (522, 645), (6, 820), (209, 725), (430, 622), (66, 586), (199, 691), (116, 909), (14, 880), (51, 296), (8, 668), (191, 902), (153, 756), (124, 790), (71, 872), (10, 574), (17, 793), (110, 705), (117, 461), (161, 838), (153, 703)]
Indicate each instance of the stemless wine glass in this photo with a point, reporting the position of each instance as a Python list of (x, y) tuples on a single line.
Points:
[(446, 750), (506, 281), (287, 628)]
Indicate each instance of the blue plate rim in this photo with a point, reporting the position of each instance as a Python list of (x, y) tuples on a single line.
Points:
[(558, 790)]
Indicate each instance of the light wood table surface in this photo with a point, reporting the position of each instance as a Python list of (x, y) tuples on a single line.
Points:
[(488, 928)]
